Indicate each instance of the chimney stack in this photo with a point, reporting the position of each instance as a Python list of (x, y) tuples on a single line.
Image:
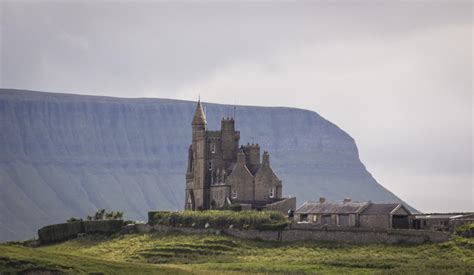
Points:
[(346, 200), (322, 200)]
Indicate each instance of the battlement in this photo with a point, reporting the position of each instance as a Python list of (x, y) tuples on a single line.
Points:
[(252, 146), (228, 124)]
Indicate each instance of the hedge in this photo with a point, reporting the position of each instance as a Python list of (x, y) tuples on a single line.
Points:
[(221, 219)]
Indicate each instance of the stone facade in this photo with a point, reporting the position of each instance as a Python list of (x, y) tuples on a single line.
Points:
[(221, 172), (354, 214)]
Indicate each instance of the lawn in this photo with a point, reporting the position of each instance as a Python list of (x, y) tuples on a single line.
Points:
[(179, 253)]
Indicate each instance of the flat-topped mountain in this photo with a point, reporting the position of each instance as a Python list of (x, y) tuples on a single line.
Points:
[(65, 155)]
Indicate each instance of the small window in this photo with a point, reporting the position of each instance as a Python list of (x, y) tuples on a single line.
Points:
[(213, 148), (234, 193), (315, 218), (210, 165), (272, 193)]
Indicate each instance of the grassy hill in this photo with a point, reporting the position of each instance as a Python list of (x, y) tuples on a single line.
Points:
[(178, 253)]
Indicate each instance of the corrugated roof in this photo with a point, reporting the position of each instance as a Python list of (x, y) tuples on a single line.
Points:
[(380, 208), (435, 216), (331, 208)]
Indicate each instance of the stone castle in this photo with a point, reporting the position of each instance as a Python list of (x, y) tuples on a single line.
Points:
[(222, 173)]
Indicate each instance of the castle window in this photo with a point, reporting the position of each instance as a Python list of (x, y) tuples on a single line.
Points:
[(213, 148), (272, 193), (234, 193), (210, 165)]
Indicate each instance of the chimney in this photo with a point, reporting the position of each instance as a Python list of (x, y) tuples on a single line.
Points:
[(322, 200), (266, 159), (346, 200), (241, 157)]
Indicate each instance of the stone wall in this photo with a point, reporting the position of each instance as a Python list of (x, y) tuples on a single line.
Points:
[(60, 232), (105, 227), (377, 221), (338, 235), (63, 231)]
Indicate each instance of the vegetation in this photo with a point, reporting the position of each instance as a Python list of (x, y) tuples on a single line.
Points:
[(100, 215), (264, 220), (465, 230), (179, 253)]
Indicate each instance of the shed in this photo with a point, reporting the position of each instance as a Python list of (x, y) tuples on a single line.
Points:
[(385, 215), (441, 221), (332, 214)]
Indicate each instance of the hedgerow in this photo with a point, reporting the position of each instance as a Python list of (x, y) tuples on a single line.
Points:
[(220, 219)]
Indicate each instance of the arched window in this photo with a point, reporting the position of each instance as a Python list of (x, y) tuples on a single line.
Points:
[(272, 192), (234, 193), (213, 148)]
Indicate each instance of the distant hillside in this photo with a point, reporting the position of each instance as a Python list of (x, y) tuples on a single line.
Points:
[(66, 155)]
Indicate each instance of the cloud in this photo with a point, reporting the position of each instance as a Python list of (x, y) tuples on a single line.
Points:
[(406, 100), (396, 75)]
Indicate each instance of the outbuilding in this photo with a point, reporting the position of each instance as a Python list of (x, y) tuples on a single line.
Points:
[(441, 221), (385, 215), (330, 214)]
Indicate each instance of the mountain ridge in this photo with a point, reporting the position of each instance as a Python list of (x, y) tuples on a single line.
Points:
[(65, 155)]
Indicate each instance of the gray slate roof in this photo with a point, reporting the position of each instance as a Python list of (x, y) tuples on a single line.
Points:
[(331, 208), (380, 208)]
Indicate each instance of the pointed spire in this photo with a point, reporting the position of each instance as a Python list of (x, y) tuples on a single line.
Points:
[(199, 116)]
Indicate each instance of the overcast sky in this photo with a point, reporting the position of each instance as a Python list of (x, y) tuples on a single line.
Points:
[(395, 75)]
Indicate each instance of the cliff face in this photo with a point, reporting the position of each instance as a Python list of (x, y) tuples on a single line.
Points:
[(67, 155)]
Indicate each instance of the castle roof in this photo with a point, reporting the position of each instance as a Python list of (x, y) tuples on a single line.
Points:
[(199, 116)]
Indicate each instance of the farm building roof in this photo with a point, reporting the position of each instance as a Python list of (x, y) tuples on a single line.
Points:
[(380, 208), (444, 216), (331, 208)]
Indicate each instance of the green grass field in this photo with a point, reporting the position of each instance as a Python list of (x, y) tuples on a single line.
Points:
[(179, 253)]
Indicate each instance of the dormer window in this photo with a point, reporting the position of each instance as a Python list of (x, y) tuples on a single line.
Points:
[(272, 193), (234, 193)]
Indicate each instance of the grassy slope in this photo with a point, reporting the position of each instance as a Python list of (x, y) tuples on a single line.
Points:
[(161, 253)]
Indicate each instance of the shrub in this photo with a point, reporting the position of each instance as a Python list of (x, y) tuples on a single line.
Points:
[(72, 219), (465, 230), (101, 215)]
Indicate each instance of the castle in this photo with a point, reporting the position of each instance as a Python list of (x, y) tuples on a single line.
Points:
[(221, 173)]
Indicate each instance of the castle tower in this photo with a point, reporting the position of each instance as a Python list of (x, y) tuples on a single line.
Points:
[(252, 153), (196, 187), (229, 147)]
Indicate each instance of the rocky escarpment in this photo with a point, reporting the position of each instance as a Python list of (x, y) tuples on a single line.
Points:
[(66, 155)]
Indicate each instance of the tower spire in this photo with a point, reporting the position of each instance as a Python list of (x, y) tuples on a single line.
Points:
[(199, 116)]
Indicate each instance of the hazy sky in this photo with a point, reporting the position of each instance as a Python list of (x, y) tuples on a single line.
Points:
[(396, 75)]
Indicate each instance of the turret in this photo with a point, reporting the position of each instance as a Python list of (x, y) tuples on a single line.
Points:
[(199, 119), (199, 185), (252, 153), (228, 138)]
